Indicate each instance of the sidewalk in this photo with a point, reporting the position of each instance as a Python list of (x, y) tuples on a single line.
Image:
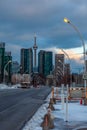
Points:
[(61, 125), (70, 115), (77, 117)]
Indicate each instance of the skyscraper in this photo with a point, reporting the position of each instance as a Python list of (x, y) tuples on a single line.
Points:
[(68, 77), (45, 64), (8, 69), (67, 69), (27, 60), (59, 67), (48, 65), (2, 53), (59, 62), (41, 61), (15, 67)]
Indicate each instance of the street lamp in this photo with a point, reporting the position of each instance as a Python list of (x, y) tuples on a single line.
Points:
[(66, 54), (5, 70), (76, 29), (63, 66), (69, 22), (70, 66), (59, 76), (19, 70)]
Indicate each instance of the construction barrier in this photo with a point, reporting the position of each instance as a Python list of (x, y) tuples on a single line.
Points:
[(86, 93), (53, 92), (85, 101), (51, 106), (47, 123)]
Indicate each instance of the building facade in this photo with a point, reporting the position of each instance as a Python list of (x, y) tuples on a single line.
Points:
[(67, 74), (59, 68), (48, 65), (2, 53), (27, 60), (41, 62), (15, 67), (45, 64), (86, 65), (8, 66)]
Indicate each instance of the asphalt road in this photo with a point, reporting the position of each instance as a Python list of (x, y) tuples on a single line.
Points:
[(17, 106)]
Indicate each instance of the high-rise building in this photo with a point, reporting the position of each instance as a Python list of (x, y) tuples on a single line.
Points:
[(67, 69), (2, 53), (48, 65), (45, 64), (8, 65), (59, 62), (27, 60), (41, 61), (15, 67), (86, 65), (59, 67), (67, 76)]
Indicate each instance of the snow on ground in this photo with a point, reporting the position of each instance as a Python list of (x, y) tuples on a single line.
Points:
[(76, 112), (4, 86), (36, 120)]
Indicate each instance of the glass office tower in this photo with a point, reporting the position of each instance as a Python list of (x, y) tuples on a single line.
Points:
[(8, 69), (27, 60), (2, 53), (45, 62)]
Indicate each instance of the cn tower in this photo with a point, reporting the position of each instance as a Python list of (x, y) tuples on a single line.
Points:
[(35, 49)]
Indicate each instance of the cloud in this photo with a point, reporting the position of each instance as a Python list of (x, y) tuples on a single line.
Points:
[(78, 57), (20, 19), (15, 51), (70, 54)]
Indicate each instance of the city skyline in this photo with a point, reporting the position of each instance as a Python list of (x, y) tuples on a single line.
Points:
[(45, 65), (20, 20)]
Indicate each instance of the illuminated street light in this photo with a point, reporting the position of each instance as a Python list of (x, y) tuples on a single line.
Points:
[(66, 20), (5, 70), (69, 22), (76, 29)]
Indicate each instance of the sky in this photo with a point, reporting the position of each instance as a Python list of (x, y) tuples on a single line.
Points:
[(20, 20)]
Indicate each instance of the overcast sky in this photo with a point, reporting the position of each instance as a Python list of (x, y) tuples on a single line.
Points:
[(20, 20)]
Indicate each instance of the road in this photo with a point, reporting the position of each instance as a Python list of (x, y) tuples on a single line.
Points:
[(18, 105)]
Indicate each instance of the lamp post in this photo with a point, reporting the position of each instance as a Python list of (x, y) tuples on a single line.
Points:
[(59, 74), (5, 70), (19, 70), (63, 66), (66, 54), (70, 67), (83, 44), (62, 70), (62, 90)]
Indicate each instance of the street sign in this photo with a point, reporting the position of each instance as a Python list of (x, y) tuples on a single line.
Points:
[(85, 76)]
